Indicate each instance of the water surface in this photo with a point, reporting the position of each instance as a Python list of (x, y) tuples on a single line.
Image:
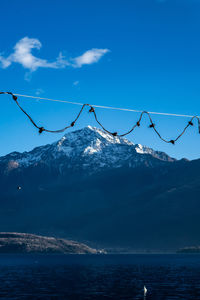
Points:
[(99, 276)]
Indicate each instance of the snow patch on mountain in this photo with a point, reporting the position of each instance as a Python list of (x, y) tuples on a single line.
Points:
[(90, 149)]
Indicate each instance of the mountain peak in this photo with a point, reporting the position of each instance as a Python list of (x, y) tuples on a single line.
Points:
[(89, 148), (90, 133), (89, 140)]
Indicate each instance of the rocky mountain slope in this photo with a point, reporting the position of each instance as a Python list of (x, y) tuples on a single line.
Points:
[(13, 242), (103, 190), (89, 149)]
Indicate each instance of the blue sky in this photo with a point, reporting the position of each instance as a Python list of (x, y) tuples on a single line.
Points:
[(140, 54)]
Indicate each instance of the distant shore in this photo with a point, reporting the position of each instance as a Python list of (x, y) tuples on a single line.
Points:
[(190, 250), (24, 243)]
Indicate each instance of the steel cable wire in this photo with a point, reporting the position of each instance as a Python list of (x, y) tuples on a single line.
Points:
[(92, 110)]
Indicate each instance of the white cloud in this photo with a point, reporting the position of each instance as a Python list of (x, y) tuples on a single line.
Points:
[(39, 92), (89, 57), (28, 76), (76, 82), (22, 55), (4, 62)]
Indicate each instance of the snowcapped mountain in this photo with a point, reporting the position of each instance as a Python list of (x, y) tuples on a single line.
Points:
[(89, 149), (92, 187)]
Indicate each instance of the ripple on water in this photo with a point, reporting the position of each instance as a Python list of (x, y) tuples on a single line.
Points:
[(100, 277)]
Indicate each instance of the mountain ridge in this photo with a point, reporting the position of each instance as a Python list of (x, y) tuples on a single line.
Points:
[(107, 192), (89, 144), (15, 242)]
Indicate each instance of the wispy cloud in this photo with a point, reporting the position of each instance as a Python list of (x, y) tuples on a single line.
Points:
[(22, 55), (39, 92), (89, 57), (75, 82)]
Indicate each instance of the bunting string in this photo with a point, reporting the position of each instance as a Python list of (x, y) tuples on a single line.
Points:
[(92, 111)]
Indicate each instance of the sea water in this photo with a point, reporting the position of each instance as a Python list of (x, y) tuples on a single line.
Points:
[(100, 276)]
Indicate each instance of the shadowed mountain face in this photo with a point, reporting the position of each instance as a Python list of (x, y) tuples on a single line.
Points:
[(91, 186)]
